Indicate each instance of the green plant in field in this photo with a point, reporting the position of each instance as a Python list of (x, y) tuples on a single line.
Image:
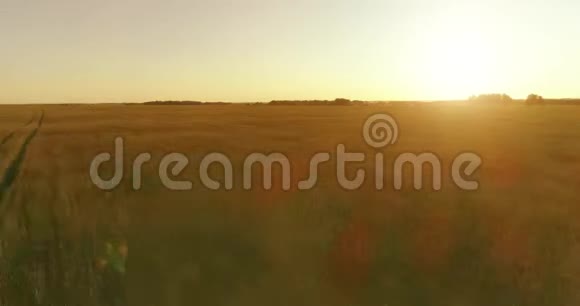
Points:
[(114, 257), (111, 273)]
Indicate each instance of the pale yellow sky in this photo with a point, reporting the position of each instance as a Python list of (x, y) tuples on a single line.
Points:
[(261, 50)]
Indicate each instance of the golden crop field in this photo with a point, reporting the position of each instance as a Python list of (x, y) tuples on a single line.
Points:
[(514, 241)]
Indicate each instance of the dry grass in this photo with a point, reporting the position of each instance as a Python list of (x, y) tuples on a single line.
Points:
[(513, 242)]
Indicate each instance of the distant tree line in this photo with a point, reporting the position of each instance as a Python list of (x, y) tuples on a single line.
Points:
[(532, 99), (173, 103), (338, 101), (491, 98), (495, 98), (183, 103)]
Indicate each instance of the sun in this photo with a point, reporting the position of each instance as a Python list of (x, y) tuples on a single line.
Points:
[(455, 63)]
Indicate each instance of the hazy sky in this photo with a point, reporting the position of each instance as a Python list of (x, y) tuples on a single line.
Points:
[(259, 50)]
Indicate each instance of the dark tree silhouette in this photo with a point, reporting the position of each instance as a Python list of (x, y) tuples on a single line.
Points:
[(534, 99), (491, 98)]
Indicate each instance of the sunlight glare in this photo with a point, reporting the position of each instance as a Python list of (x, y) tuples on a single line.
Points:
[(456, 61)]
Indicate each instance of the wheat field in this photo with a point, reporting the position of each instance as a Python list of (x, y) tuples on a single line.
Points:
[(63, 241)]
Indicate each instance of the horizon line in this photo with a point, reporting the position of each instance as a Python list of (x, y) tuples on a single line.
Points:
[(266, 102)]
